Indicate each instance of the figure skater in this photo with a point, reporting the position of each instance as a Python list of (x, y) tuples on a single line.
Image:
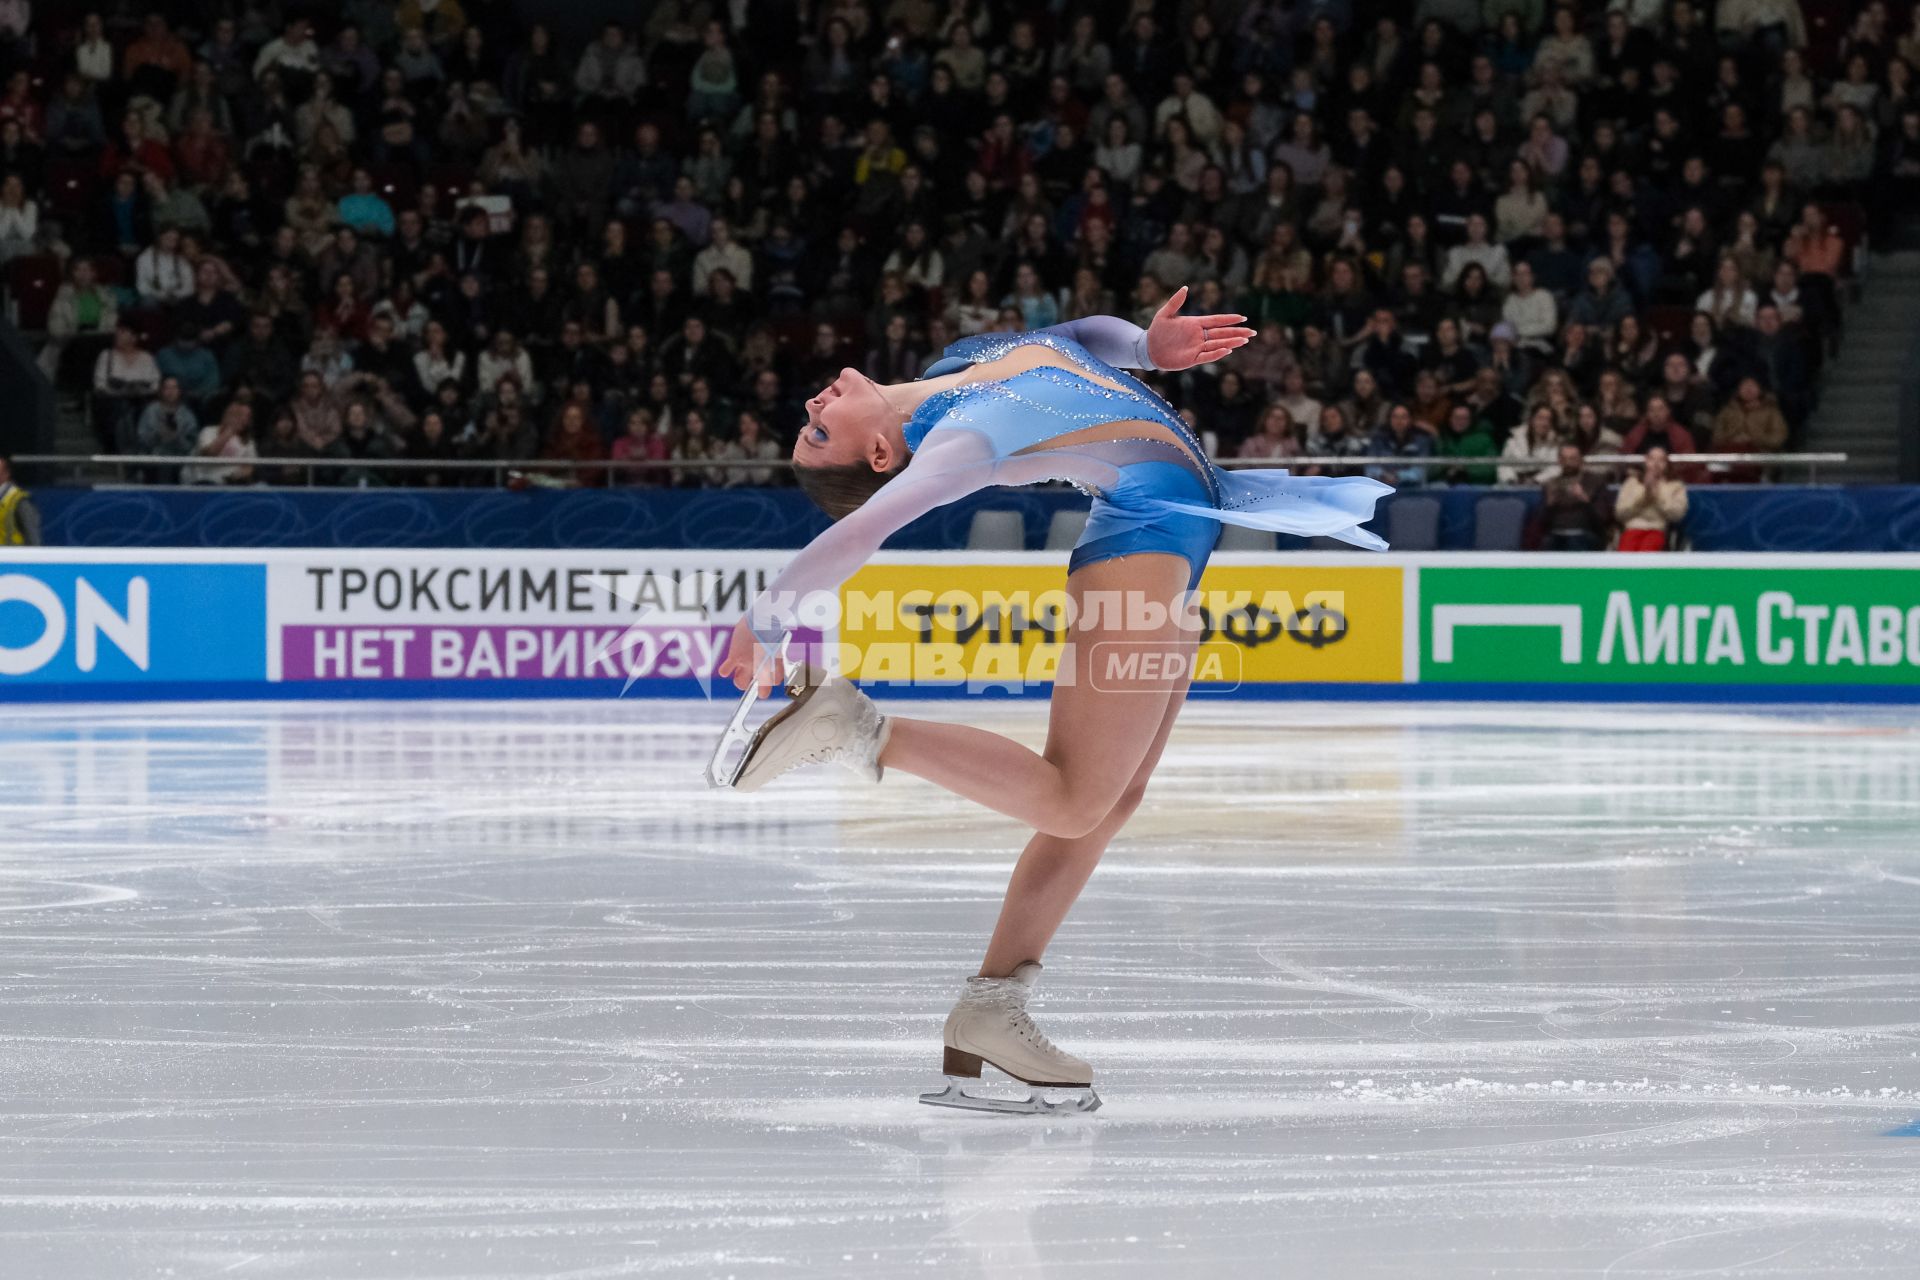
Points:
[(1015, 409)]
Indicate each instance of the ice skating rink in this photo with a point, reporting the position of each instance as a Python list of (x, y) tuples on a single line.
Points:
[(424, 990)]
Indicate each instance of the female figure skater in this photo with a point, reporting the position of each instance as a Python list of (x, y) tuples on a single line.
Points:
[(1012, 409)]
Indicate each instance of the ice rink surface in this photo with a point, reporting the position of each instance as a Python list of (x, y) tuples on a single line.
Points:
[(424, 990)]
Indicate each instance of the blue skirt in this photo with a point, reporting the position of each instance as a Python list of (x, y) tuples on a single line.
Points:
[(1165, 509)]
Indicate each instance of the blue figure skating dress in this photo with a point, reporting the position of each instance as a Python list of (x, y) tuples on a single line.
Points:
[(1082, 420)]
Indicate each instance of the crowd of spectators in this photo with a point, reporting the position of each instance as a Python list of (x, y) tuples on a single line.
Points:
[(1470, 232)]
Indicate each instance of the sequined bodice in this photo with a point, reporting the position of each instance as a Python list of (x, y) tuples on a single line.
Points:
[(1033, 411)]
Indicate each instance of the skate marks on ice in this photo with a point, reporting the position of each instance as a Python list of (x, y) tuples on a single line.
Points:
[(438, 990)]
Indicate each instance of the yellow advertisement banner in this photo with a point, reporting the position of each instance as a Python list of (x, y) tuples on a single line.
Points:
[(952, 621)]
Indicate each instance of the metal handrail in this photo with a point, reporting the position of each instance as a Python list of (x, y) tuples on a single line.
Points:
[(1808, 460), (567, 465)]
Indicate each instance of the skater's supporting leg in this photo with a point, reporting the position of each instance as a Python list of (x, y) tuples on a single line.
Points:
[(1103, 721), (1053, 870)]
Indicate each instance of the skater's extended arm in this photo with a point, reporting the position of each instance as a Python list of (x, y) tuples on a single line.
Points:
[(948, 465), (1173, 342)]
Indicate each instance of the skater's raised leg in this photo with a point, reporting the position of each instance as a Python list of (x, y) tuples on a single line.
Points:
[(1107, 712)]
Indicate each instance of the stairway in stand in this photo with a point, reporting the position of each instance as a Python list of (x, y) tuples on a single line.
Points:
[(1859, 412)]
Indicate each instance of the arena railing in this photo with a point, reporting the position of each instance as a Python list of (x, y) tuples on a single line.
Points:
[(134, 469)]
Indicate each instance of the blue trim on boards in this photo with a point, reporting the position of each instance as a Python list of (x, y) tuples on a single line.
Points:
[(490, 690), (353, 691)]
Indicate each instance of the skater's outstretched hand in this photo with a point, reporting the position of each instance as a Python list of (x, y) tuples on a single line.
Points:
[(1177, 342), (747, 658)]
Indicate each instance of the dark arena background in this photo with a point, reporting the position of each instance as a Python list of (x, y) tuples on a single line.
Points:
[(396, 412)]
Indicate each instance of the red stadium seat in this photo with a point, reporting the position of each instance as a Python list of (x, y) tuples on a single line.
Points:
[(853, 333), (111, 268), (70, 186), (31, 283), (451, 180), (396, 183), (794, 333), (1827, 24), (1669, 322), (154, 326), (1850, 220)]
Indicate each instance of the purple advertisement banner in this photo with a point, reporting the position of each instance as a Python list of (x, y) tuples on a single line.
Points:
[(500, 652)]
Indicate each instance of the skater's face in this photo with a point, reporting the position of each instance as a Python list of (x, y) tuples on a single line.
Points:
[(847, 423)]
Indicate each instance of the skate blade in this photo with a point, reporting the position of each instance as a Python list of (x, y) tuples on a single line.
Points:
[(1066, 1102), (725, 768)]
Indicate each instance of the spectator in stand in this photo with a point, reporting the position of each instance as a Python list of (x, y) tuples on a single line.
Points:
[(211, 313), (83, 316), (1535, 440), (124, 376), (750, 443), (1573, 514), (1530, 312), (1751, 422), (139, 149), (261, 361), (19, 219), (162, 273), (1777, 357), (1279, 436), (610, 75), (1659, 430), (1467, 435), (364, 209), (1603, 304), (316, 417), (1687, 395), (1649, 504), (158, 62), (293, 56), (1334, 437), (190, 364), (642, 441), (168, 427), (574, 438), (1402, 436), (1729, 301), (231, 441)]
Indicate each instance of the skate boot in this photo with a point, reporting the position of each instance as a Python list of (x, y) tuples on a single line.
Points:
[(829, 721), (990, 1027)]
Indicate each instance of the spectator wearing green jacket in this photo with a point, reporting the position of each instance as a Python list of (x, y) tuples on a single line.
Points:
[(1466, 436)]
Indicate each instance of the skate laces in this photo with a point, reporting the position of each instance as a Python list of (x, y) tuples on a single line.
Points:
[(1006, 996)]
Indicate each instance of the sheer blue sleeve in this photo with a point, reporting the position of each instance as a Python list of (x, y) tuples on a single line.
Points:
[(949, 465), (1121, 343)]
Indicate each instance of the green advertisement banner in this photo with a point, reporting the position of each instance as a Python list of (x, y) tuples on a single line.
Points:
[(1568, 624)]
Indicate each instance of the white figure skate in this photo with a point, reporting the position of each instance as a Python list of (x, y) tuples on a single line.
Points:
[(990, 1027), (829, 721)]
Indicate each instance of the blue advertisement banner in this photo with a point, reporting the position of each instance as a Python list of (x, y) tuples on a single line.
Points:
[(107, 623)]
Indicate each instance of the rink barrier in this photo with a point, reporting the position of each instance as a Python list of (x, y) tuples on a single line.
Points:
[(108, 625), (1721, 517)]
